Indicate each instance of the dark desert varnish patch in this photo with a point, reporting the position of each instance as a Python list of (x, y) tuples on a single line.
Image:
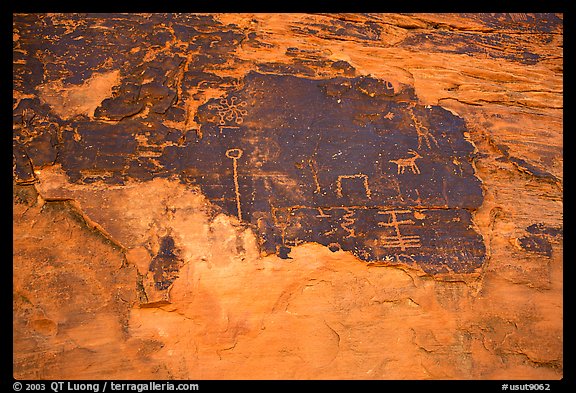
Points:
[(350, 162), (345, 162)]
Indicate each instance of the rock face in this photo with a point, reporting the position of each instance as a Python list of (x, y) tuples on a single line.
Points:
[(238, 196)]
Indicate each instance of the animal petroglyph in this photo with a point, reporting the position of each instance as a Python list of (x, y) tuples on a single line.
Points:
[(409, 163), (394, 259)]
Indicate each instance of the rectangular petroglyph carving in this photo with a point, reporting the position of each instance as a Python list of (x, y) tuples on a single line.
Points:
[(361, 176)]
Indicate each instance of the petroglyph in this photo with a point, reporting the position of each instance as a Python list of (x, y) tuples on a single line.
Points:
[(313, 169), (222, 128), (230, 111), (235, 154), (409, 163), (348, 220), (422, 131), (356, 176), (311, 164), (398, 240)]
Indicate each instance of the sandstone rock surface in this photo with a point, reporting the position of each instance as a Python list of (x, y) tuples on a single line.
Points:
[(288, 196)]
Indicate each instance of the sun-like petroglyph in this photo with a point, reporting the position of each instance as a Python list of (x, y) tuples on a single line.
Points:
[(229, 113), (229, 110)]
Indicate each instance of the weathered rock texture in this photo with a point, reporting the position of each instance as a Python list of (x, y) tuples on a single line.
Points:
[(288, 196)]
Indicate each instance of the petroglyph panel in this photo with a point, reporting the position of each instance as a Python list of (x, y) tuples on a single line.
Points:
[(304, 160), (354, 163), (360, 168)]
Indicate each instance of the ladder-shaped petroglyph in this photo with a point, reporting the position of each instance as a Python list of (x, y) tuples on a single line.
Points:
[(235, 154), (423, 133), (399, 240), (409, 162), (356, 176)]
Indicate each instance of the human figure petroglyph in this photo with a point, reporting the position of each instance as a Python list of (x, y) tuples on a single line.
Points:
[(422, 131), (409, 163), (312, 165)]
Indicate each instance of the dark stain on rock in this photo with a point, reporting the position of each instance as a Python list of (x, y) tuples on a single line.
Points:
[(523, 22), (497, 44), (525, 166), (536, 244), (166, 264), (545, 230), (540, 238), (23, 168), (344, 67), (347, 30), (25, 194), (283, 251)]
